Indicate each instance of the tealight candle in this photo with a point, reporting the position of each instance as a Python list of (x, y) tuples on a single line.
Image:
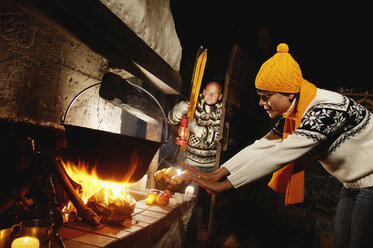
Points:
[(189, 191), (23, 242), (179, 197), (172, 201)]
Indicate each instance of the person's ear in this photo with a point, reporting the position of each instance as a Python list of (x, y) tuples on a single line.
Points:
[(203, 92), (220, 96), (291, 97)]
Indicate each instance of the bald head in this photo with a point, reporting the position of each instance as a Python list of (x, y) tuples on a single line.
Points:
[(212, 92)]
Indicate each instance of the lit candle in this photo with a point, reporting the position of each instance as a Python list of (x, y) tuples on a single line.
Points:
[(149, 200), (23, 242), (172, 201), (189, 191), (179, 197)]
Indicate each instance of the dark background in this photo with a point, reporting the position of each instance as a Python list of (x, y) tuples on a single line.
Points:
[(332, 44)]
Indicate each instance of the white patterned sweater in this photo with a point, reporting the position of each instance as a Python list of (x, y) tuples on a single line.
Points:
[(335, 130), (201, 149)]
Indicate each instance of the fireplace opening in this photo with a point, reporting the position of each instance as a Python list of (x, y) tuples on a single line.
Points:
[(45, 185)]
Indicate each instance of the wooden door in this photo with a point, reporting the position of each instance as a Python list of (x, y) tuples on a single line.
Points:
[(240, 125), (240, 104)]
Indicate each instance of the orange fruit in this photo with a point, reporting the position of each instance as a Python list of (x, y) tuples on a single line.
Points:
[(167, 179), (175, 180), (159, 175), (171, 171)]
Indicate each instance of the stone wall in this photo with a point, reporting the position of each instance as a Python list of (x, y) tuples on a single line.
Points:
[(153, 22), (41, 70)]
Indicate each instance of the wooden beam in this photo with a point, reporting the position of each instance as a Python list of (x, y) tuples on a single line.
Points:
[(93, 24)]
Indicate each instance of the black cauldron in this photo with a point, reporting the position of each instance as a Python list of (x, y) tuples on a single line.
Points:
[(115, 157)]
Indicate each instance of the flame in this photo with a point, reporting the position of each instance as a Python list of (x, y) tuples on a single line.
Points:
[(66, 210), (94, 188), (135, 161)]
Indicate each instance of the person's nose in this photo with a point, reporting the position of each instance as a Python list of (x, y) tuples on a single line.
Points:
[(261, 102)]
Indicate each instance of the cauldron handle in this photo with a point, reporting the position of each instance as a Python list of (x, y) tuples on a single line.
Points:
[(63, 118), (158, 104)]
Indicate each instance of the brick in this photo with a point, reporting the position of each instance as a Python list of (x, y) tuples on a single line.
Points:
[(69, 233), (144, 218), (153, 214), (161, 209), (95, 239), (114, 232), (75, 244)]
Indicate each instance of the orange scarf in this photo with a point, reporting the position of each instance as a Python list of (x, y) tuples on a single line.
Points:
[(290, 178)]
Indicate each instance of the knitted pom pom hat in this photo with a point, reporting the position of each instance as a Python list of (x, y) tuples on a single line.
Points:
[(280, 73)]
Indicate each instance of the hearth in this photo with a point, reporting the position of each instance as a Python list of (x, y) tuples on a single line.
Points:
[(105, 82), (46, 180), (149, 226)]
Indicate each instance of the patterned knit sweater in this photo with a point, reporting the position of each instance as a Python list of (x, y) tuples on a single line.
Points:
[(201, 149), (335, 130)]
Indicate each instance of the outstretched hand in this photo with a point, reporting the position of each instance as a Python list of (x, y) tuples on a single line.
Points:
[(211, 187), (200, 174), (208, 181), (199, 182)]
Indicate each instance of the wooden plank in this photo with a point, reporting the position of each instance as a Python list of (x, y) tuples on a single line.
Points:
[(199, 69)]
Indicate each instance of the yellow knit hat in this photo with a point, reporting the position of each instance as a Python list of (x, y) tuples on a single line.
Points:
[(280, 73)]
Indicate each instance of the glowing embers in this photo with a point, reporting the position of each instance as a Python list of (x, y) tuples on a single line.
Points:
[(108, 199)]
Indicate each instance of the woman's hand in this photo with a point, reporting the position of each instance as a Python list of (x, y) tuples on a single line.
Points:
[(211, 187), (209, 181), (210, 176)]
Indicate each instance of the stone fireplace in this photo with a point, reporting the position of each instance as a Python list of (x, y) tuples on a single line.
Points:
[(53, 57)]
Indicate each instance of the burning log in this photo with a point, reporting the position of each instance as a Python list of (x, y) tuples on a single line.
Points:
[(111, 214), (84, 212), (109, 200)]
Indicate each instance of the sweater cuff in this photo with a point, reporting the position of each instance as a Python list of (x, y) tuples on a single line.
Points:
[(231, 167), (237, 180)]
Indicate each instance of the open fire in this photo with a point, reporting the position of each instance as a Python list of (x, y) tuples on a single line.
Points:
[(108, 199)]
